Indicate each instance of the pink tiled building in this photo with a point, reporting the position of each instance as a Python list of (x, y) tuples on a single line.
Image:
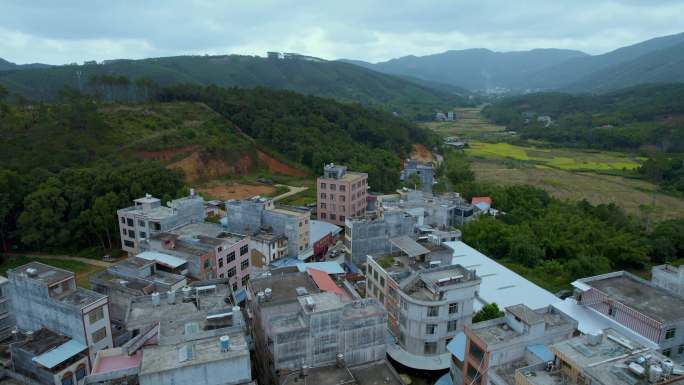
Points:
[(341, 194)]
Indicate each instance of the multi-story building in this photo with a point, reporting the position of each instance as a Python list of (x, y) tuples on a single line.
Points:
[(428, 301), (267, 247), (669, 277), (210, 251), (250, 216), (296, 326), (438, 211), (364, 236), (639, 305), (341, 194), (494, 347), (606, 358), (6, 318), (373, 373), (134, 277), (43, 296), (424, 172), (148, 217), (49, 358)]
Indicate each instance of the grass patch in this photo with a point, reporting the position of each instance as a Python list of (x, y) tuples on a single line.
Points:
[(386, 261)]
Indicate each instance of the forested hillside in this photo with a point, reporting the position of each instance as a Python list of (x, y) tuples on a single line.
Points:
[(131, 79)]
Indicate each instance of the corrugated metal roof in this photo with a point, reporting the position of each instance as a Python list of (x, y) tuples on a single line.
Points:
[(325, 283), (56, 356), (162, 259), (328, 267), (319, 229), (541, 351), (499, 284), (457, 346), (409, 246)]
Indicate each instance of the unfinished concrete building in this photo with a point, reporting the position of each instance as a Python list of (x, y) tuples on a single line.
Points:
[(7, 322), (439, 211), (296, 326), (250, 216), (424, 172), (43, 296), (428, 301), (669, 277), (148, 216), (372, 235), (374, 373)]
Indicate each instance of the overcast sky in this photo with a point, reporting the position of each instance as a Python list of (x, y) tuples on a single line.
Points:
[(62, 31)]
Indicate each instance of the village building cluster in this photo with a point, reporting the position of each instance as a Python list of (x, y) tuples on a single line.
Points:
[(351, 291)]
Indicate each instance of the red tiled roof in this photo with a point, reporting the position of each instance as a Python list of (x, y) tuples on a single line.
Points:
[(487, 200), (325, 283)]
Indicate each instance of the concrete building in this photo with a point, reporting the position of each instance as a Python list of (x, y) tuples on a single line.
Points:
[(601, 359), (148, 217), (366, 236), (45, 296), (669, 277), (250, 216), (492, 348), (374, 373), (323, 236), (428, 301), (130, 278), (213, 361), (439, 211), (296, 326), (639, 305), (49, 358), (7, 323), (424, 172), (341, 194), (210, 251), (267, 247)]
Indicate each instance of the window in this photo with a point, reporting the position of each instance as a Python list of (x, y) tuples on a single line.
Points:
[(453, 308), (332, 216), (430, 348), (323, 186), (430, 328), (244, 265), (343, 198), (221, 275), (96, 315), (670, 333), (375, 275), (382, 281), (207, 263), (667, 352), (322, 205), (80, 372), (680, 349), (333, 187), (323, 216), (244, 249), (100, 334), (245, 279), (235, 287), (452, 325), (130, 222), (129, 244), (322, 195), (155, 226), (231, 272), (131, 234), (220, 262), (220, 249), (433, 311), (67, 379), (231, 257), (141, 223), (123, 220), (143, 235)]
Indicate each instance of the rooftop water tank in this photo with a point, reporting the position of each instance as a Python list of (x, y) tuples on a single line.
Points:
[(268, 293), (171, 297), (156, 300), (224, 343), (655, 373)]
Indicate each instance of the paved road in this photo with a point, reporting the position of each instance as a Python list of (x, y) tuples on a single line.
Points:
[(94, 262), (293, 190)]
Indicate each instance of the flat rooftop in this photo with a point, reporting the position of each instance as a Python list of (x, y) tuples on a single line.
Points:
[(156, 213), (583, 353), (81, 297), (206, 232), (283, 283), (652, 301), (41, 272), (171, 357), (497, 330), (380, 373), (43, 341)]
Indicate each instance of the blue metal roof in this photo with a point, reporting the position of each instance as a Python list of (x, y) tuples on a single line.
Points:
[(541, 351), (319, 229), (240, 295), (56, 356), (161, 258), (351, 267), (285, 262), (327, 267), (457, 346)]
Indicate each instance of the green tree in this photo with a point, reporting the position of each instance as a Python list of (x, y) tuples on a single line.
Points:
[(41, 223), (488, 312), (11, 195)]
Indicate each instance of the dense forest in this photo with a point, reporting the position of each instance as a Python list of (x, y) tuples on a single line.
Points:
[(647, 119), (554, 242), (313, 131), (125, 80)]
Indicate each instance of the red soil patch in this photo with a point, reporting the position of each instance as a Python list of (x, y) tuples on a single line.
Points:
[(421, 154), (278, 167), (196, 167), (236, 191), (168, 154)]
